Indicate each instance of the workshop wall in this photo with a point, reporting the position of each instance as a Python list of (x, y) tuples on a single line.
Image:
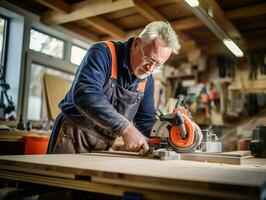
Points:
[(223, 92)]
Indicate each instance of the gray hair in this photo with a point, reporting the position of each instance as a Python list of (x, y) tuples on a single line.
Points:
[(162, 29)]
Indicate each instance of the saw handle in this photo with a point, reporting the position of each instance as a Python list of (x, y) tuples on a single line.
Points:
[(179, 121), (180, 99)]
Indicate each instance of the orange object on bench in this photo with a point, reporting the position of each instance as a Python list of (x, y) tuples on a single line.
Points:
[(35, 144)]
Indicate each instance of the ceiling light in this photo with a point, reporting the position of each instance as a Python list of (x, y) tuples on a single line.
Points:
[(233, 47), (213, 26), (193, 3)]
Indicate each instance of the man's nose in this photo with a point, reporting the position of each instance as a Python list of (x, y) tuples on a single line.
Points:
[(151, 67)]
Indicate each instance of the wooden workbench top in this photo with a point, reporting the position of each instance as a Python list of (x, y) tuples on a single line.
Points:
[(173, 175), (247, 174)]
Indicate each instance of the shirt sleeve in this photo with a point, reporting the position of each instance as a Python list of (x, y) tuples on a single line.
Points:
[(145, 117), (88, 95)]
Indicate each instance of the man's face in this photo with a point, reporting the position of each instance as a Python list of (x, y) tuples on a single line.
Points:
[(149, 57)]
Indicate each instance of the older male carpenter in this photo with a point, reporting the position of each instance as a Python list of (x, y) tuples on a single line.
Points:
[(113, 93)]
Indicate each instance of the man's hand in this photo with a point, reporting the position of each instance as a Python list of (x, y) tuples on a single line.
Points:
[(134, 140)]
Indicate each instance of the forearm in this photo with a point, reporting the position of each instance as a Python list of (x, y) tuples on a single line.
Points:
[(96, 107)]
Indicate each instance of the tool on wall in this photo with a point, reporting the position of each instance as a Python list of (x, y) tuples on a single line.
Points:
[(227, 66), (263, 65), (258, 142), (257, 59)]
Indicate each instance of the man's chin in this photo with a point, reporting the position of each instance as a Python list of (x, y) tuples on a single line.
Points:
[(142, 76)]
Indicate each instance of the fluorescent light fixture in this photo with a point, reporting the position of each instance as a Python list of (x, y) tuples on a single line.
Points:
[(233, 47), (193, 3), (213, 26)]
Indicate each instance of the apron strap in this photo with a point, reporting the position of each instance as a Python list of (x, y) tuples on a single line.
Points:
[(141, 86), (112, 50), (111, 46)]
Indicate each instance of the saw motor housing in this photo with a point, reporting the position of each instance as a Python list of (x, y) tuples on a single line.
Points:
[(176, 131)]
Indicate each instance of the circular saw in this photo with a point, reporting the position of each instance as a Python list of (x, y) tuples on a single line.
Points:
[(176, 130)]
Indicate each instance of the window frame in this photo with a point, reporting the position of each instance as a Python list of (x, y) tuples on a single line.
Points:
[(73, 44), (44, 65), (53, 36), (3, 61)]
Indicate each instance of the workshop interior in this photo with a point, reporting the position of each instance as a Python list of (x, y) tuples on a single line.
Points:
[(209, 137)]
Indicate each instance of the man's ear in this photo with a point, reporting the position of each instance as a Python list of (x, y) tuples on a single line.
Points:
[(136, 42)]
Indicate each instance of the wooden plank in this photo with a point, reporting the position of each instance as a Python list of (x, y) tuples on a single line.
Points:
[(224, 23), (82, 32), (55, 90), (247, 11), (94, 173), (219, 19), (96, 22), (187, 23), (251, 86), (66, 183), (160, 3), (211, 158), (114, 187), (85, 9), (106, 27), (59, 5), (174, 188), (99, 166), (147, 11), (170, 155), (219, 48)]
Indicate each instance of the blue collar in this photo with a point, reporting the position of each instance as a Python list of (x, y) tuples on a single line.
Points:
[(127, 48)]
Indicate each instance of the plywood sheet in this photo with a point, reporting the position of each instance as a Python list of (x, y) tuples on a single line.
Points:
[(107, 166), (55, 90)]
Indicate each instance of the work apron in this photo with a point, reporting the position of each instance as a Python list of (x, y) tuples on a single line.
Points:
[(77, 137)]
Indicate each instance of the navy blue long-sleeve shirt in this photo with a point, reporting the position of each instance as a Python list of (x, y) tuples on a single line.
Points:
[(86, 99)]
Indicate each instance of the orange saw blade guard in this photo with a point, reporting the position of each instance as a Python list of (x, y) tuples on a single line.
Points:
[(175, 135)]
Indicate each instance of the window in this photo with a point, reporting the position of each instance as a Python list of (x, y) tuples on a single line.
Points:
[(77, 54), (36, 110), (46, 44), (3, 40)]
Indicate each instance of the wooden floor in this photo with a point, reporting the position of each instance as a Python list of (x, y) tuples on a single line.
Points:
[(155, 179)]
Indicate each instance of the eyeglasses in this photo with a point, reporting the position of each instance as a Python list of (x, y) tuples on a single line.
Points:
[(149, 61)]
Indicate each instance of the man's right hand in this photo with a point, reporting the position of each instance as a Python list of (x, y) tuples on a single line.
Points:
[(134, 140)]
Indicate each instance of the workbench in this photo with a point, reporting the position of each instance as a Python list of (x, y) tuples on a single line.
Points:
[(152, 179), (12, 140)]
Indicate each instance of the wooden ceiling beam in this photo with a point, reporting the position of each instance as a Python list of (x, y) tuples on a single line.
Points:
[(97, 22), (219, 17), (219, 47), (147, 11), (59, 5), (152, 15), (106, 27), (81, 32), (247, 11), (187, 23), (85, 9)]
